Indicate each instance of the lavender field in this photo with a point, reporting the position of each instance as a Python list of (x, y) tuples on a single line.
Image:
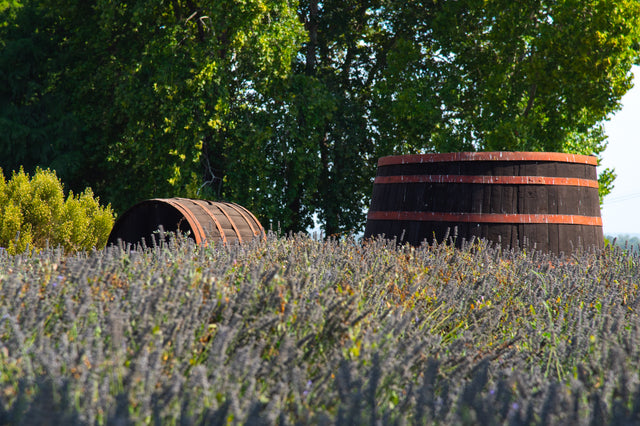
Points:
[(298, 331)]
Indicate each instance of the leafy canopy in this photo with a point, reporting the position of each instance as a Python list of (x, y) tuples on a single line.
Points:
[(285, 106)]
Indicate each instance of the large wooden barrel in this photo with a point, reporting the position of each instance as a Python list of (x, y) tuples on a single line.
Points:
[(542, 200), (205, 221)]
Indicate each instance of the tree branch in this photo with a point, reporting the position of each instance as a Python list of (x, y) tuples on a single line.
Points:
[(532, 95)]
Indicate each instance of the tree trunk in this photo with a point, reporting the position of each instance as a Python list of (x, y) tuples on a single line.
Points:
[(311, 25)]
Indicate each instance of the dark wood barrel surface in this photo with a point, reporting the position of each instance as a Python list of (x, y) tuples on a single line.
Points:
[(536, 199), (205, 221)]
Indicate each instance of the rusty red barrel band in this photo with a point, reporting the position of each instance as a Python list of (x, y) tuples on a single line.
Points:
[(498, 180), (221, 207), (486, 218), (203, 206), (244, 217), (198, 232), (260, 230), (488, 156)]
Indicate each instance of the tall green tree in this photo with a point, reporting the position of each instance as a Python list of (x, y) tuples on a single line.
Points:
[(320, 145), (380, 77), (501, 75), (286, 107), (528, 75), (126, 96)]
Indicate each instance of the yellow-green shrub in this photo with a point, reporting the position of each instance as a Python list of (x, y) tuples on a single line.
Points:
[(34, 213)]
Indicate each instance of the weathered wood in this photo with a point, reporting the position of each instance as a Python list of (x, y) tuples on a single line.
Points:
[(205, 221), (544, 200)]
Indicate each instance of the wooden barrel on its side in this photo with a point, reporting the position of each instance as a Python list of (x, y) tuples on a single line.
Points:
[(205, 221), (547, 201)]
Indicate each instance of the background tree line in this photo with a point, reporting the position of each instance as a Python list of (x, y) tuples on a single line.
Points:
[(285, 106)]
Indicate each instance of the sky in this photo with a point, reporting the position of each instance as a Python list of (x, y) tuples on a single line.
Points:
[(621, 208)]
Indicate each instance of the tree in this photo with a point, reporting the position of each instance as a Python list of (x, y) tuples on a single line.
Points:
[(286, 109), (128, 95), (397, 77), (318, 138), (502, 75)]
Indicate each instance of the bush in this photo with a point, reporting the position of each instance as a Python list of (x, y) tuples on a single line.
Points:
[(34, 213)]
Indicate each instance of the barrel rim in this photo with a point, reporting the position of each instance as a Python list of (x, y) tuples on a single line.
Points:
[(488, 156)]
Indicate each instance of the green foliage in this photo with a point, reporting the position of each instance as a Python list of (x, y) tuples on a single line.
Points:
[(127, 96), (285, 106), (502, 75), (378, 78), (35, 214)]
